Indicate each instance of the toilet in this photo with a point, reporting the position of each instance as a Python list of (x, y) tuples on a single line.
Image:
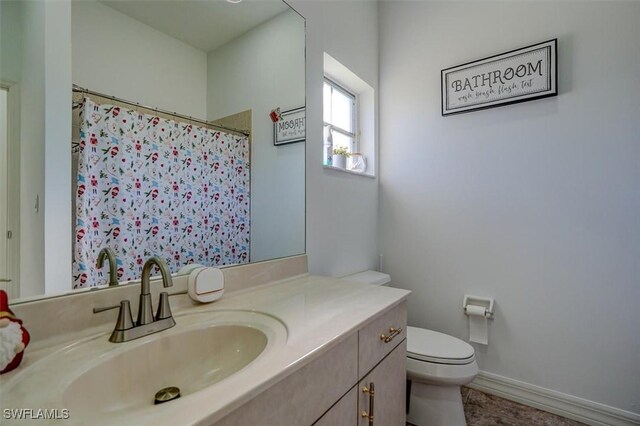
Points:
[(437, 365)]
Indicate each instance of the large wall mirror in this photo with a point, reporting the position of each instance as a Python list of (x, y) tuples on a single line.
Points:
[(146, 127)]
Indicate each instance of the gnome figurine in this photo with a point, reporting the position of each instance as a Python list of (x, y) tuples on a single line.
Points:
[(13, 337)]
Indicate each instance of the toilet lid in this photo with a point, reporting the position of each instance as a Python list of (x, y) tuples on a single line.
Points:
[(431, 346)]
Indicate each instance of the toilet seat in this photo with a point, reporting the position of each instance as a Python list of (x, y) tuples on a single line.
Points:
[(431, 346)]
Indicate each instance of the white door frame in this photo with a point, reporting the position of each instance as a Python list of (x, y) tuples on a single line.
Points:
[(12, 179)]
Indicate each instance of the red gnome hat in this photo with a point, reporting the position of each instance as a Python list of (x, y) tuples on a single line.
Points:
[(12, 348)]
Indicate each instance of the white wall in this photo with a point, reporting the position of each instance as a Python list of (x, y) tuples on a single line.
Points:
[(32, 90), (342, 219), (119, 56), (535, 204), (261, 70), (10, 41), (57, 137)]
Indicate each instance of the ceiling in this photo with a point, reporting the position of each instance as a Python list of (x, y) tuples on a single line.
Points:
[(203, 24)]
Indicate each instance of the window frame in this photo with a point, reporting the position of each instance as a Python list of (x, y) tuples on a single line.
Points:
[(354, 113)]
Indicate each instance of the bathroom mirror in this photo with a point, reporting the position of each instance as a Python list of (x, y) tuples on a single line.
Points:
[(146, 127)]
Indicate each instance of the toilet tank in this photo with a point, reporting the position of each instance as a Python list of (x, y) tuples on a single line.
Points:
[(370, 277)]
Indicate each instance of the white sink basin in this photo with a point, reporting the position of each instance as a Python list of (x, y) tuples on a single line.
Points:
[(190, 360), (99, 381)]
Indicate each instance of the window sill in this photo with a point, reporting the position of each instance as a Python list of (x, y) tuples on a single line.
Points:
[(340, 169)]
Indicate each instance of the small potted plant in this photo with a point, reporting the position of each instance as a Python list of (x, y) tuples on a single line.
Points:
[(340, 156)]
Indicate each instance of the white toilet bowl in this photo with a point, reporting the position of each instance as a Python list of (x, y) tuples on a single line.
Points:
[(437, 365)]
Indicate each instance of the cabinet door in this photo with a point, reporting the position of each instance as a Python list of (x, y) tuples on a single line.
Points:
[(389, 379), (343, 413)]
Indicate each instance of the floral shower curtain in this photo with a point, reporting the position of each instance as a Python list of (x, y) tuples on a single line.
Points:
[(151, 186)]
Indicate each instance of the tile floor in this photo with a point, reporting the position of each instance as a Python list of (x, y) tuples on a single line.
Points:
[(482, 409)]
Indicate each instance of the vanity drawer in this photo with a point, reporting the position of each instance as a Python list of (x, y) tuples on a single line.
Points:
[(381, 336)]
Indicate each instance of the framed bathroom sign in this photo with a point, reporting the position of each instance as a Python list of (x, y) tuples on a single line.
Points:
[(290, 128), (517, 76)]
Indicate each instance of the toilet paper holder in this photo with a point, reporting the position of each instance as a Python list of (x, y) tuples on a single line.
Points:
[(486, 302)]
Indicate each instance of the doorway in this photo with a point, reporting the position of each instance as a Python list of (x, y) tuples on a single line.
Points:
[(9, 198)]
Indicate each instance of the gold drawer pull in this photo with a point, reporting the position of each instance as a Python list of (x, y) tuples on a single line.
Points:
[(369, 415), (393, 332)]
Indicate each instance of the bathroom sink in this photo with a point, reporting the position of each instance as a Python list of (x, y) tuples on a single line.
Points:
[(99, 380), (190, 360)]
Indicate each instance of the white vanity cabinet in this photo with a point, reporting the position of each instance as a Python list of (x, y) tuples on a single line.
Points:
[(386, 406), (381, 363), (333, 389)]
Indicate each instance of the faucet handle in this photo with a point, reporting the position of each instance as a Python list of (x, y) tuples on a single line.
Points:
[(125, 328), (106, 308), (164, 310), (125, 319)]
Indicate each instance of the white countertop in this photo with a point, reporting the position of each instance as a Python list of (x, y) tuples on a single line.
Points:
[(318, 313)]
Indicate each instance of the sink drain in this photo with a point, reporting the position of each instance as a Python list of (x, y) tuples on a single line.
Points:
[(167, 394)]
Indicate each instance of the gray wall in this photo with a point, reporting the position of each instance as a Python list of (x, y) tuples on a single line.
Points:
[(536, 204), (108, 58), (261, 70), (342, 218)]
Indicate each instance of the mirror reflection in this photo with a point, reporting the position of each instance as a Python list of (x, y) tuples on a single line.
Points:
[(145, 128)]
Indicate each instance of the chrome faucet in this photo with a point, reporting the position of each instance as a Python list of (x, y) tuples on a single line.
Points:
[(107, 253), (146, 323)]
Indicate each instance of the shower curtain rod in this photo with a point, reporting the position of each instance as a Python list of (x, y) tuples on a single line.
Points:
[(79, 89)]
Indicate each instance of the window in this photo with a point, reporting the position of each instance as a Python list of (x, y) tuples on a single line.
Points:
[(349, 121), (340, 112)]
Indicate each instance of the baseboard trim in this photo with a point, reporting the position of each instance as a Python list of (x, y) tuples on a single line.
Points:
[(582, 410)]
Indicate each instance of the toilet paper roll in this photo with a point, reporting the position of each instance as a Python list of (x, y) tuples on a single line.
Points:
[(478, 327)]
